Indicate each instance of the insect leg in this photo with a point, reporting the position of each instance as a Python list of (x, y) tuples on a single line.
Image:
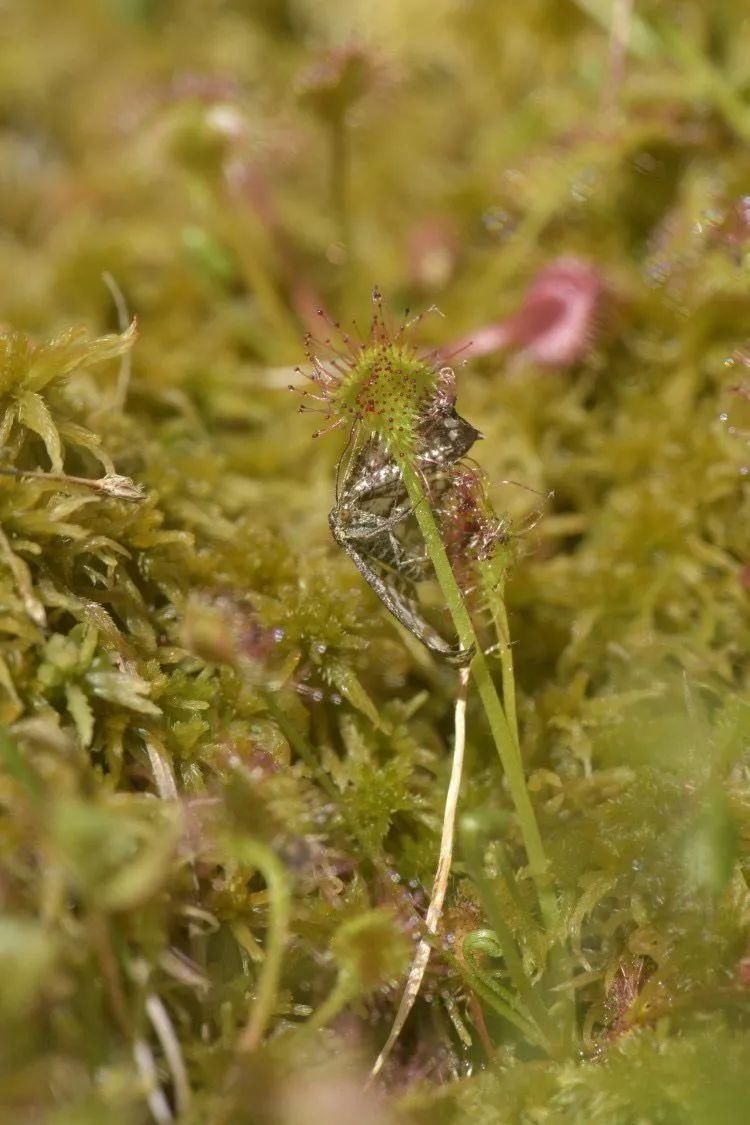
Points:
[(400, 607)]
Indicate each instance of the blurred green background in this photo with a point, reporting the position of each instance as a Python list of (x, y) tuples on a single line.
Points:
[(215, 739)]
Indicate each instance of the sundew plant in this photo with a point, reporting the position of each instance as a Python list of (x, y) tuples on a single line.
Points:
[(397, 774)]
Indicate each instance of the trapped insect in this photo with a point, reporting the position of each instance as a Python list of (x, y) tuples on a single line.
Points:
[(371, 518)]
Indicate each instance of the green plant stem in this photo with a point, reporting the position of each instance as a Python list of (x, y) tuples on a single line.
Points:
[(507, 746), (506, 942), (489, 993), (492, 577), (343, 992), (259, 856), (493, 580)]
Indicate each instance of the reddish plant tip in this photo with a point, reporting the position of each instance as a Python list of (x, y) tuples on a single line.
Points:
[(554, 325), (338, 79)]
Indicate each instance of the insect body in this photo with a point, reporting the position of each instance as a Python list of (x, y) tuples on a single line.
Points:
[(371, 519)]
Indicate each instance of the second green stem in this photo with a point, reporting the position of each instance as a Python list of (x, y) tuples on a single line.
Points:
[(504, 738)]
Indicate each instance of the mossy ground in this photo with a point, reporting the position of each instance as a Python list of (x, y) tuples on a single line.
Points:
[(218, 749)]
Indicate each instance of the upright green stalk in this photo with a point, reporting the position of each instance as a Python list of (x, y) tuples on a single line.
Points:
[(492, 578), (505, 741), (257, 855)]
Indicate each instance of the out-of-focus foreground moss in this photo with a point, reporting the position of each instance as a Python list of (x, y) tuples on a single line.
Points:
[(217, 748)]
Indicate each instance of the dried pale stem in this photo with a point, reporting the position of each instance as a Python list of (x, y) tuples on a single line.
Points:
[(148, 1071), (123, 318), (111, 484), (435, 909), (170, 1045)]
